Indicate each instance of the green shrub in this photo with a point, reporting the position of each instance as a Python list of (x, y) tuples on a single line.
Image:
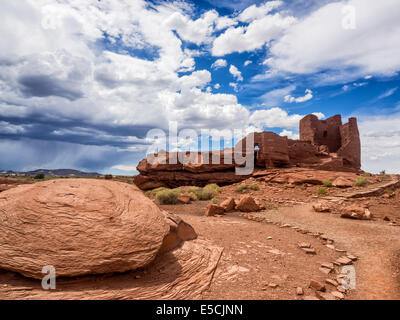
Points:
[(241, 188), (204, 195), (254, 186), (39, 176), (327, 183), (271, 207), (214, 201), (168, 196), (157, 190), (321, 191), (193, 189), (193, 196), (361, 182), (214, 188)]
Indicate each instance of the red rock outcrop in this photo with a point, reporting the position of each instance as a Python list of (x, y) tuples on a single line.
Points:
[(82, 226), (324, 145)]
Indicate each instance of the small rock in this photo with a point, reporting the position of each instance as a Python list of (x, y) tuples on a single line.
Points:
[(309, 250), (340, 250), (324, 237), (386, 218), (269, 238), (310, 298), (330, 246), (213, 210), (321, 207), (317, 285), (299, 291), (304, 245), (325, 270), (341, 289), (229, 204), (327, 265), (350, 256), (325, 295), (344, 260), (184, 199), (247, 204), (273, 285), (338, 295), (332, 282)]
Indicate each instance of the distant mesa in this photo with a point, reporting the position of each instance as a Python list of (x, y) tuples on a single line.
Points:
[(323, 145), (55, 172)]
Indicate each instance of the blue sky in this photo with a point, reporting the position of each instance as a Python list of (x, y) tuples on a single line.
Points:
[(81, 85)]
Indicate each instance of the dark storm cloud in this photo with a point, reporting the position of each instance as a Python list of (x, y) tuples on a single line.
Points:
[(46, 86), (29, 154), (74, 131)]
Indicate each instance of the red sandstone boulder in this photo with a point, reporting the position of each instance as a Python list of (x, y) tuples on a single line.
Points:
[(247, 204), (80, 227), (321, 207), (179, 231), (229, 204), (356, 212), (213, 210), (184, 198), (342, 182)]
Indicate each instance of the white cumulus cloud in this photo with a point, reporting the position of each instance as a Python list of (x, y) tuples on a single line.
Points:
[(306, 97)]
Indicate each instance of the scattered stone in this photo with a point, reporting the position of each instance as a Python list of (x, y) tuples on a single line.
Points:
[(327, 265), (273, 285), (213, 210), (229, 204), (340, 250), (324, 237), (325, 270), (356, 211), (338, 295), (341, 289), (310, 298), (344, 260), (299, 291), (304, 245), (247, 204), (269, 238), (330, 246), (321, 207), (386, 218), (353, 258), (332, 282), (317, 285), (342, 182), (184, 198), (325, 295), (309, 250)]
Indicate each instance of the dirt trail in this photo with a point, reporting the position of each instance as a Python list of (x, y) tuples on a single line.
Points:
[(376, 243)]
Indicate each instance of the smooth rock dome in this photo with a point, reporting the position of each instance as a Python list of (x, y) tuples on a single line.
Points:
[(79, 226)]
